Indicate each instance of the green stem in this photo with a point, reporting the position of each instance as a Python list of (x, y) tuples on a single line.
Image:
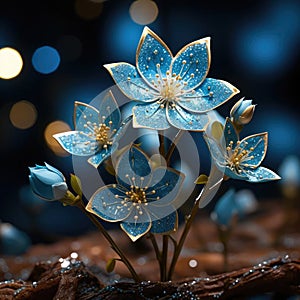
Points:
[(183, 236), (112, 243), (173, 146)]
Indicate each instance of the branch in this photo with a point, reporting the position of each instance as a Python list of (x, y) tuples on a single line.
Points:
[(51, 281), (279, 275)]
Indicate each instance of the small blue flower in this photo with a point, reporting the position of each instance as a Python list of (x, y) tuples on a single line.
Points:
[(172, 90), (96, 133), (240, 159), (242, 112), (233, 204), (47, 182), (142, 199)]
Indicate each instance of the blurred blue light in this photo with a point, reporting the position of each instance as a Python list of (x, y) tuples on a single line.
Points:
[(45, 59), (268, 46), (285, 16), (122, 36), (283, 128)]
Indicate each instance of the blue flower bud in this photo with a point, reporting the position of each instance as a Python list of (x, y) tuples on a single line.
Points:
[(242, 112), (47, 182)]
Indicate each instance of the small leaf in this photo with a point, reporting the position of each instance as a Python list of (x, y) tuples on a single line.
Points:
[(217, 130), (76, 184), (110, 265), (202, 179)]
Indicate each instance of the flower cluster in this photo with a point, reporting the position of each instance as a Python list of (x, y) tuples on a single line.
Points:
[(168, 91)]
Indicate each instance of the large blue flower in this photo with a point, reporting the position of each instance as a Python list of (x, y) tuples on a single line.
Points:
[(96, 132), (240, 159), (172, 90), (142, 199)]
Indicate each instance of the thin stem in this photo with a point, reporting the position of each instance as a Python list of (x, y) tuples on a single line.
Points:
[(225, 255), (164, 257), (157, 252), (173, 146), (183, 236), (114, 246)]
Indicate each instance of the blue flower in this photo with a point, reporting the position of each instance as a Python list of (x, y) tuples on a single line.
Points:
[(240, 159), (143, 197), (233, 205), (242, 112), (96, 133), (47, 182), (171, 90)]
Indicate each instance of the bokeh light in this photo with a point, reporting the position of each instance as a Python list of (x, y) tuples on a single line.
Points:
[(51, 129), (88, 10), (23, 114), (269, 46), (143, 12), (45, 59), (11, 63)]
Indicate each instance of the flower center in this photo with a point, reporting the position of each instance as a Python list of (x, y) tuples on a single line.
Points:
[(170, 87), (237, 157), (137, 194), (136, 197), (102, 133)]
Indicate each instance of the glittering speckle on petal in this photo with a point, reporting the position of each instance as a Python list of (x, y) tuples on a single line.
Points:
[(186, 120), (192, 62), (152, 51), (150, 116)]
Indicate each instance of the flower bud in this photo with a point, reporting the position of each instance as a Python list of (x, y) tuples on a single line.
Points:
[(47, 182), (242, 112)]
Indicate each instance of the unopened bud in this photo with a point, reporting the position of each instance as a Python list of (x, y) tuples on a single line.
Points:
[(242, 112)]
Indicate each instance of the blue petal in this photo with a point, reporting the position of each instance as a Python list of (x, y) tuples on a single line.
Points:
[(166, 224), (166, 183), (47, 177), (230, 134), (234, 175), (107, 203), (183, 119), (100, 156), (150, 116), (122, 129), (152, 51), (135, 230), (261, 174), (133, 168), (256, 145), (109, 111), (130, 82), (77, 143), (40, 189), (209, 95), (192, 63), (54, 170), (85, 116)]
